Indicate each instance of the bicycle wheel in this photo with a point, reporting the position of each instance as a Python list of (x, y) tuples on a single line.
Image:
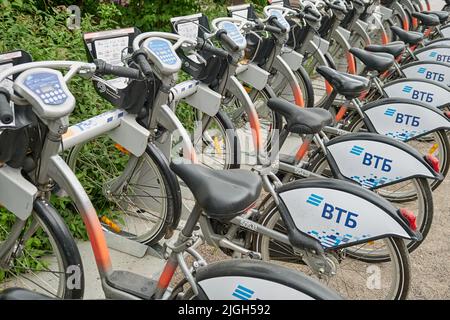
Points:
[(282, 89), (143, 206), (353, 278), (344, 60), (45, 258), (436, 144), (214, 139), (357, 41), (421, 204), (321, 88)]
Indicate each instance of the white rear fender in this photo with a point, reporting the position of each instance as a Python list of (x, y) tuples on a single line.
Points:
[(373, 160), (419, 90), (339, 213), (403, 119)]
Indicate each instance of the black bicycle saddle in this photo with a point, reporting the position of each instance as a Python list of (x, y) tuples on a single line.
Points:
[(378, 61), (222, 194), (301, 120), (395, 48), (348, 85), (409, 37)]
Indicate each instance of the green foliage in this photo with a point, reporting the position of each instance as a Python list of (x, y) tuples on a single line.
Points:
[(40, 28)]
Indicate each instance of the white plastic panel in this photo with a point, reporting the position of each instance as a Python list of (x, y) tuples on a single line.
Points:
[(404, 121), (338, 218), (373, 163), (436, 72), (246, 288), (419, 90)]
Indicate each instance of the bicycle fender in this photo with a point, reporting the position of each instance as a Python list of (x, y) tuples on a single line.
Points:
[(374, 160), (438, 42), (242, 279), (404, 119), (434, 71), (360, 27), (445, 31), (439, 53), (17, 194), (421, 90), (340, 214)]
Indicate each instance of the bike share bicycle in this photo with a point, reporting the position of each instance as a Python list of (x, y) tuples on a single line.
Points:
[(34, 80)]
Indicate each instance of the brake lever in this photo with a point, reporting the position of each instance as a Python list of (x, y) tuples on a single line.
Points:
[(105, 83)]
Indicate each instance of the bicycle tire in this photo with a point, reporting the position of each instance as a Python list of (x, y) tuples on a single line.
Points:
[(67, 254), (165, 180)]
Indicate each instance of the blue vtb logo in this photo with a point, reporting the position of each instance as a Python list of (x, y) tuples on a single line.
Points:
[(407, 89), (356, 150), (418, 94), (242, 293), (372, 160), (390, 112), (332, 212), (422, 70), (440, 57), (314, 200), (407, 119), (431, 75)]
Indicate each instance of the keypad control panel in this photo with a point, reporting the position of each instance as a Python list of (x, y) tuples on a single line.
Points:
[(162, 55), (47, 87), (47, 92)]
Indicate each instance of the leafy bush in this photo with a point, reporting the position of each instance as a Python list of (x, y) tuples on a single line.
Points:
[(40, 28)]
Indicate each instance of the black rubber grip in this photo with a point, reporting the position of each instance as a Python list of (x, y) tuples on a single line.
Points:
[(142, 61), (336, 7), (273, 29), (225, 39), (309, 9), (109, 69), (216, 51), (6, 113), (311, 18), (274, 21)]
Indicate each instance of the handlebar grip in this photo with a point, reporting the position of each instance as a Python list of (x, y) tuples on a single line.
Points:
[(272, 29), (309, 9), (335, 7), (6, 113), (109, 69), (274, 21), (311, 18), (216, 51), (224, 38), (142, 61)]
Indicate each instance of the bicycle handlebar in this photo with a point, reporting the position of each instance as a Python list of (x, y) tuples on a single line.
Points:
[(109, 69), (222, 36), (274, 21), (6, 113), (203, 45)]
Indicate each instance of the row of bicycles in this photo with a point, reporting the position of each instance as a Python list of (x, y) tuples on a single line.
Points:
[(315, 136)]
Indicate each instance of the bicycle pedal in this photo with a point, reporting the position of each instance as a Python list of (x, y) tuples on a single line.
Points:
[(132, 283)]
